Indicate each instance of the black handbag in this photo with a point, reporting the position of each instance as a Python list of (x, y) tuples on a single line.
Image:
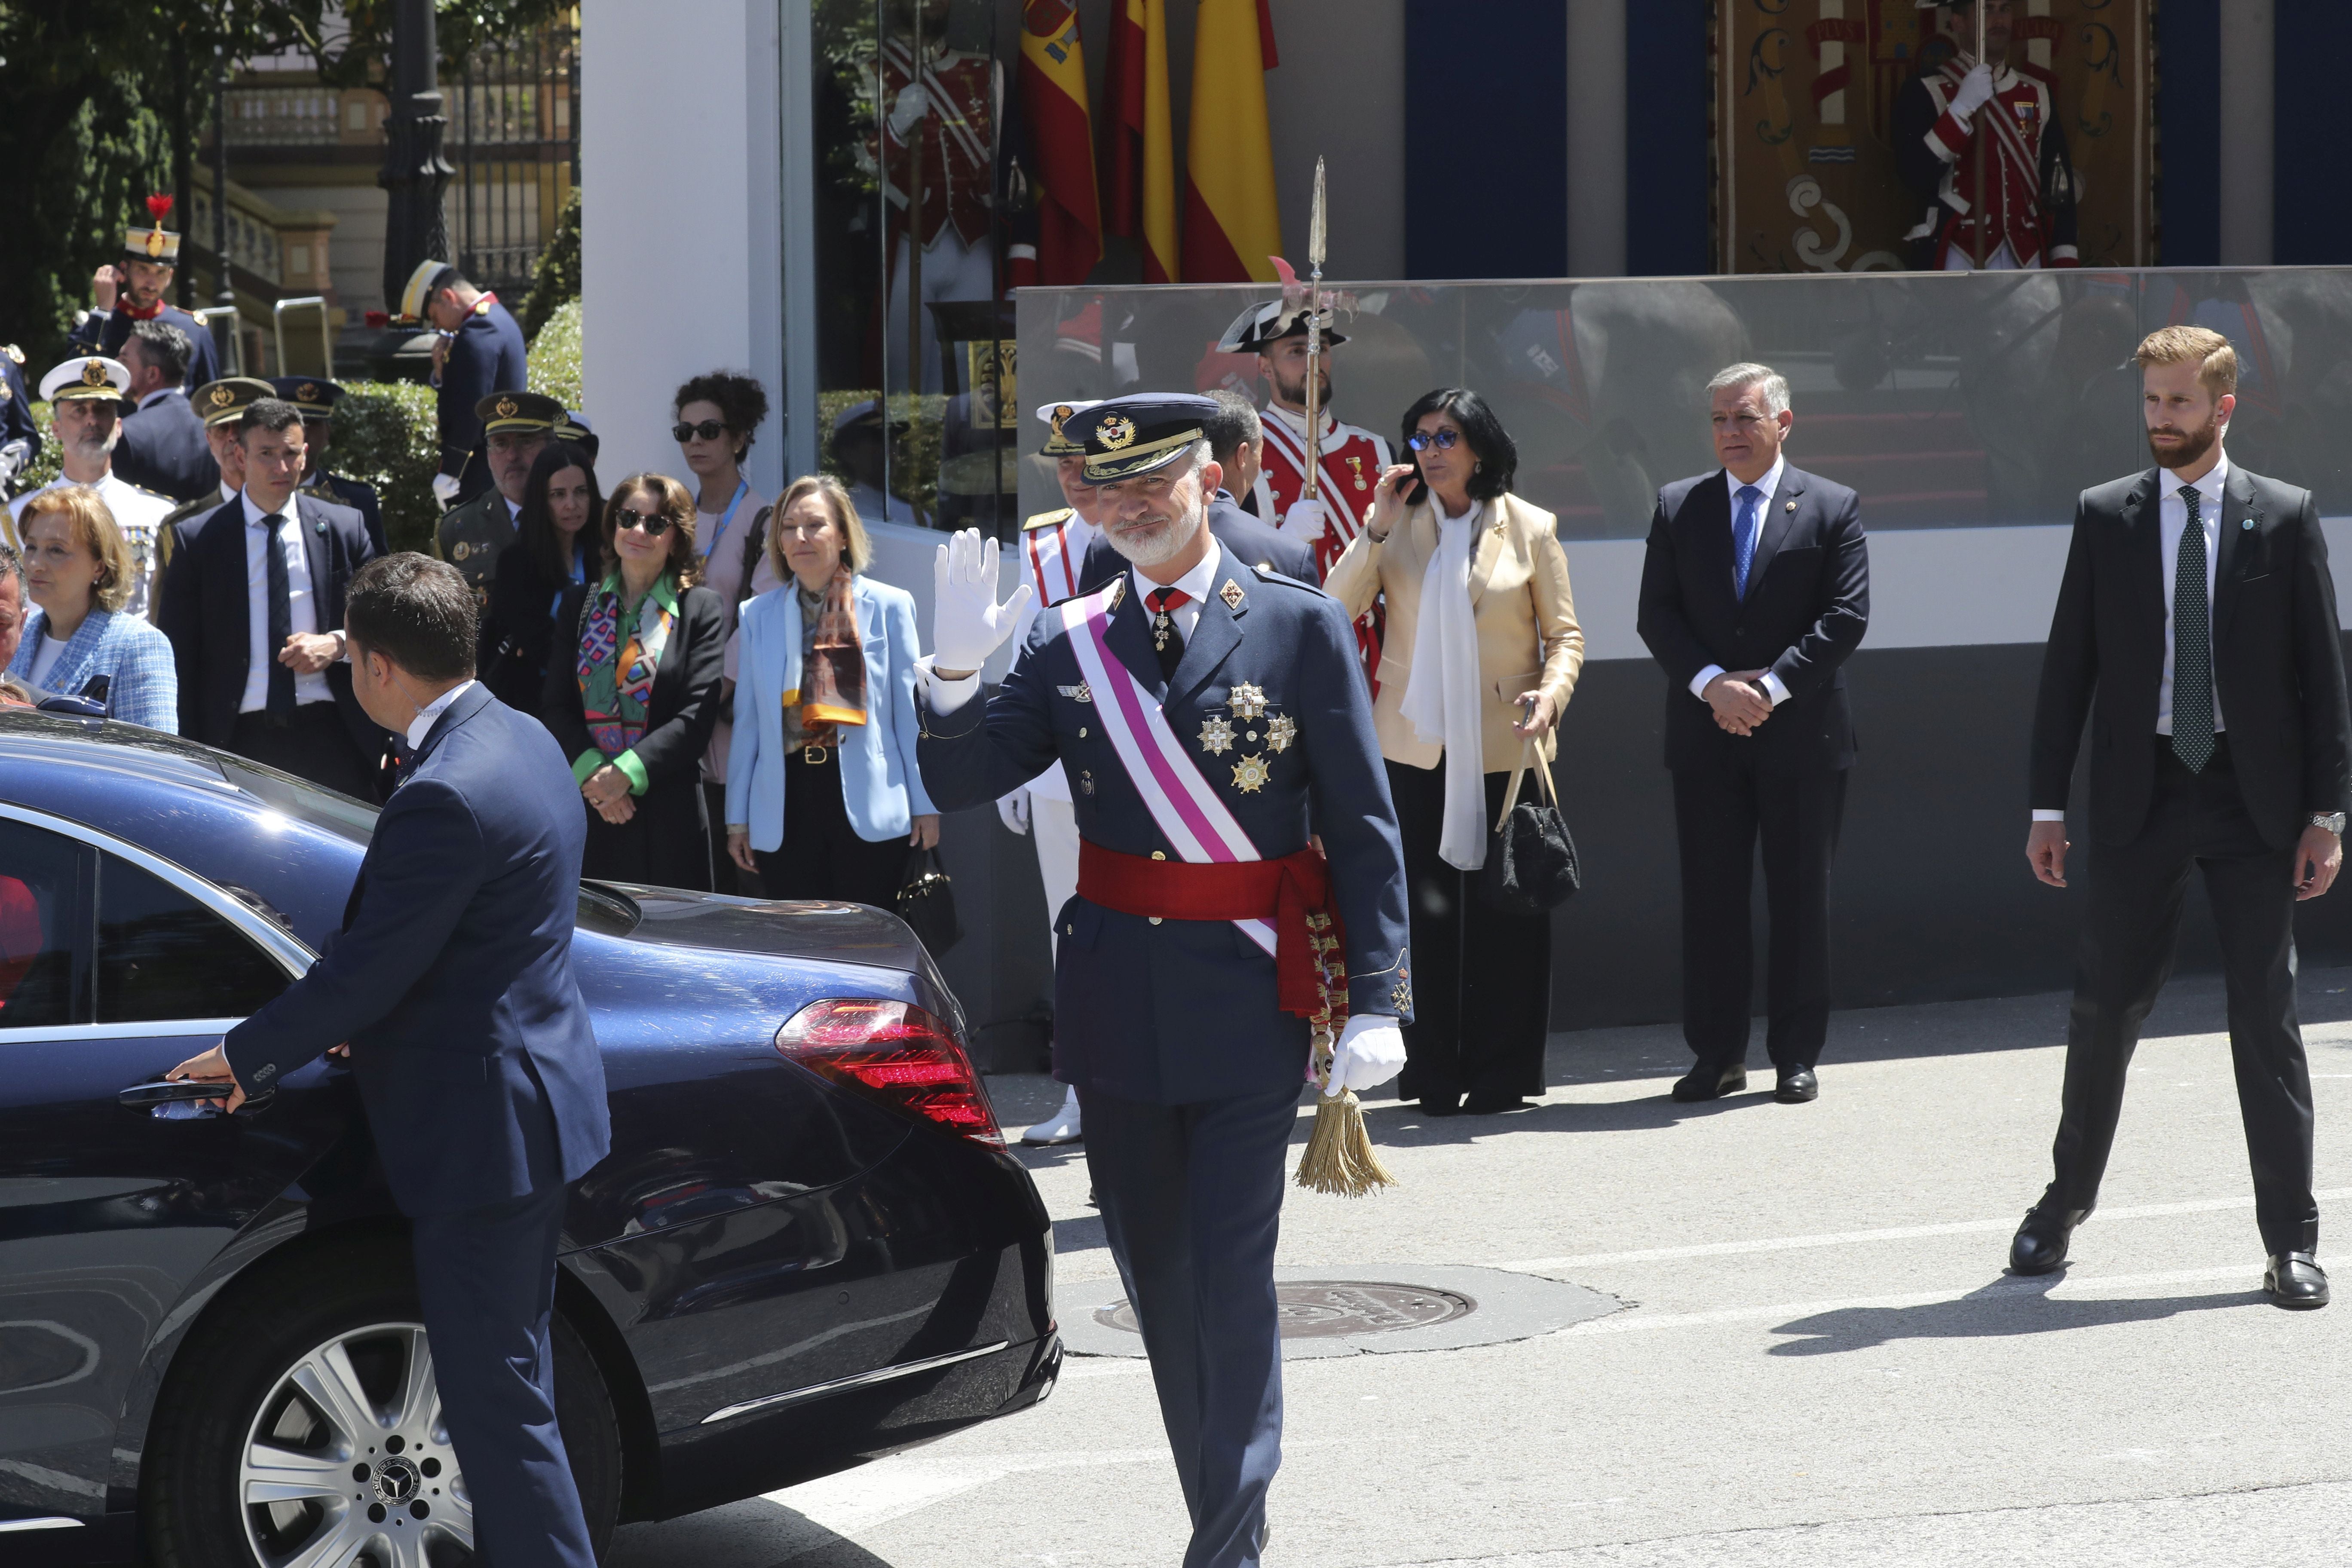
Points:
[(1531, 867), (926, 902)]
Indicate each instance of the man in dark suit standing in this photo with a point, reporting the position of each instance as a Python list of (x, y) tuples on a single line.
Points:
[(451, 981), (162, 447), (2196, 632), (1755, 590), (253, 602)]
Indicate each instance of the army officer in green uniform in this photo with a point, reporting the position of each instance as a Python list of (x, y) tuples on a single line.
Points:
[(516, 425)]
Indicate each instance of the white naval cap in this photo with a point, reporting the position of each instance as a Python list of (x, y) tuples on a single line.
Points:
[(90, 375)]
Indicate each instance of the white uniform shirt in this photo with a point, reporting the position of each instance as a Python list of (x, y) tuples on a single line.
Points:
[(300, 599)]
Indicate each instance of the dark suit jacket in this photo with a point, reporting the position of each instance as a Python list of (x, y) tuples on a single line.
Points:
[(680, 714), (1806, 606), (2278, 657), (452, 976), (164, 449), (519, 629), (203, 611), (17, 408), (1252, 541), (360, 498)]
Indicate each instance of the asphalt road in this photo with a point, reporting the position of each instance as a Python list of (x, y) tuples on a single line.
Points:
[(1816, 1357)]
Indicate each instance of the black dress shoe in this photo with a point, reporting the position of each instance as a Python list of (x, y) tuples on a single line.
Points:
[(2040, 1245), (1440, 1105), (2295, 1281), (1797, 1086), (1711, 1080), (1492, 1104)]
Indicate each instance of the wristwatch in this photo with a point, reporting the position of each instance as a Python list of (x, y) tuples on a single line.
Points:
[(2331, 820)]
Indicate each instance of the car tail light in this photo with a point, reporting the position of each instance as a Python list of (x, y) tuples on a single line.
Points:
[(895, 1053)]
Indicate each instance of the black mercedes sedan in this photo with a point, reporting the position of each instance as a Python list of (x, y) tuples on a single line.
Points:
[(808, 1247)]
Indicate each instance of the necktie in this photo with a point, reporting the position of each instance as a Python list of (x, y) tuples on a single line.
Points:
[(1166, 640), (2192, 646), (280, 706), (1743, 538)]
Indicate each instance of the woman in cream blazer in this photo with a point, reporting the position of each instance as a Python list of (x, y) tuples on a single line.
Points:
[(1482, 985)]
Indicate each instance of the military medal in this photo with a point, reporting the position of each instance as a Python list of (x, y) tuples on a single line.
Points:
[(1357, 464), (1217, 734), (1247, 702), (1250, 774), (1162, 622), (1280, 731), (462, 551), (1231, 594), (1079, 694)]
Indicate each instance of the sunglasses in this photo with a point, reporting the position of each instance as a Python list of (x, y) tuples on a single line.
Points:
[(1443, 440), (652, 522), (709, 430)]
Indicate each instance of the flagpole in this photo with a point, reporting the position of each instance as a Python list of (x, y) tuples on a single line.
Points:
[(1315, 237), (1983, 129)]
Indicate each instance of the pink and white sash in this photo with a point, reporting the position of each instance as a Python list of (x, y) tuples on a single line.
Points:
[(1186, 809)]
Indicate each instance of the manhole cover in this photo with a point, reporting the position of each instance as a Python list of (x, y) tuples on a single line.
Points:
[(1331, 1309)]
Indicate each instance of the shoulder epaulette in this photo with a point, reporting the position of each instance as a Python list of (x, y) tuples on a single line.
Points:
[(14, 352), (1266, 574), (1048, 520)]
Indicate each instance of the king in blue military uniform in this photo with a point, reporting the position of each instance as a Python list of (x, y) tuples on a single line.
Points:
[(1212, 718)]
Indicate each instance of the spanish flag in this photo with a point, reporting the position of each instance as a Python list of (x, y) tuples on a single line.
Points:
[(1141, 151), (1061, 138), (1233, 223)]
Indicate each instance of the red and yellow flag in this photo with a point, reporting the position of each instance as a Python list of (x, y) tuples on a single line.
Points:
[(1232, 222), (1061, 140), (1140, 143)]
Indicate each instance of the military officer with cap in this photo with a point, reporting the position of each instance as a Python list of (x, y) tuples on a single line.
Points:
[(479, 348), (315, 397), (220, 404), (131, 288), (1210, 716), (20, 438), (572, 426), (87, 397), (515, 426)]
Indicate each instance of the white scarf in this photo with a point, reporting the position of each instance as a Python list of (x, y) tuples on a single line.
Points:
[(1441, 694)]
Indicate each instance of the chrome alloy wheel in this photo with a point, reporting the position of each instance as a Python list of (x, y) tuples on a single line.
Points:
[(348, 1464)]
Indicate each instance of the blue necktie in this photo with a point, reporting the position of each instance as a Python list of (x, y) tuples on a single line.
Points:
[(1743, 538), (279, 700)]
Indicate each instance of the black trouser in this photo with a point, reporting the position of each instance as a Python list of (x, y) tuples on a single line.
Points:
[(2195, 822), (822, 856), (1481, 978), (1721, 814), (315, 744), (727, 876)]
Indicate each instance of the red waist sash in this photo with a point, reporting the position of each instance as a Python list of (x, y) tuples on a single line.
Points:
[(1294, 892)]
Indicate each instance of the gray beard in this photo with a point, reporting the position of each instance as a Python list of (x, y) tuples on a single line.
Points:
[(1169, 543)]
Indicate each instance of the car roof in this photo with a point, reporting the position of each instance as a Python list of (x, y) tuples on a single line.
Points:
[(30, 736)]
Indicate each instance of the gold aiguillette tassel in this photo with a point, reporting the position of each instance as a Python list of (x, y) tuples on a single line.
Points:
[(1339, 1158)]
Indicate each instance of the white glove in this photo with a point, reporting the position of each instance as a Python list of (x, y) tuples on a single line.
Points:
[(1370, 1053), (967, 623), (1302, 521), (907, 109), (444, 489), (1014, 809), (1976, 91)]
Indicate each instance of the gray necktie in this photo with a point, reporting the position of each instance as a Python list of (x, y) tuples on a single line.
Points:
[(2192, 646)]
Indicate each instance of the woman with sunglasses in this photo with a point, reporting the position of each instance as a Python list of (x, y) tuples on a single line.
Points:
[(1481, 652), (633, 702), (824, 798), (719, 414), (554, 547)]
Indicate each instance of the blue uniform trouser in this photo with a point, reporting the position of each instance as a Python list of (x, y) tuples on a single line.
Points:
[(487, 1278), (1191, 1200)]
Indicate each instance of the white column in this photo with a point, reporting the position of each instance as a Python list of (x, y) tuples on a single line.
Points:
[(2248, 93), (1596, 137), (679, 219)]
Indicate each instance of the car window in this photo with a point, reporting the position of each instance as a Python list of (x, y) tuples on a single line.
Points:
[(338, 814), (162, 955), (44, 929)]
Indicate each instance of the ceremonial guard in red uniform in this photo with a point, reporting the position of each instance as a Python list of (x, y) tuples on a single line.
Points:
[(131, 289), (2010, 202), (939, 176), (1210, 717), (1351, 458)]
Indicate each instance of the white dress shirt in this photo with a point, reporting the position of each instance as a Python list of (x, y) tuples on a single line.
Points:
[(2171, 521), (300, 600), (1771, 484), (422, 725)]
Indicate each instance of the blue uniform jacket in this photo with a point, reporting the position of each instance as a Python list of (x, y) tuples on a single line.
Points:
[(17, 410), (452, 976), (106, 335), (488, 356), (1185, 1011), (360, 498), (162, 448)]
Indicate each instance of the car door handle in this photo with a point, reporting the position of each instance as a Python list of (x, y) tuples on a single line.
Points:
[(168, 1091)]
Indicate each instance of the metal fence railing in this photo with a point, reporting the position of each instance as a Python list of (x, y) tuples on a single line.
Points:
[(514, 140)]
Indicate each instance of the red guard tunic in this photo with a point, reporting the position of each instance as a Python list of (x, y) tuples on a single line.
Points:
[(1352, 461), (2026, 138), (956, 132)]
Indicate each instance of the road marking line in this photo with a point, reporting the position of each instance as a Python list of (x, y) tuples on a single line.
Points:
[(1845, 1238), (2005, 1287)]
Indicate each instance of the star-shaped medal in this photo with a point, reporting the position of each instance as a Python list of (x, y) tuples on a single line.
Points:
[(1250, 774), (1280, 731), (1217, 734), (1247, 702)]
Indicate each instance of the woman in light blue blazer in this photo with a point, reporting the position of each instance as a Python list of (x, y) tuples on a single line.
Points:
[(824, 798), (79, 571)]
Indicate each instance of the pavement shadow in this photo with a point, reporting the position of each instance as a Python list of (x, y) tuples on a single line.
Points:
[(753, 1533), (1403, 1124), (2008, 1306)]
